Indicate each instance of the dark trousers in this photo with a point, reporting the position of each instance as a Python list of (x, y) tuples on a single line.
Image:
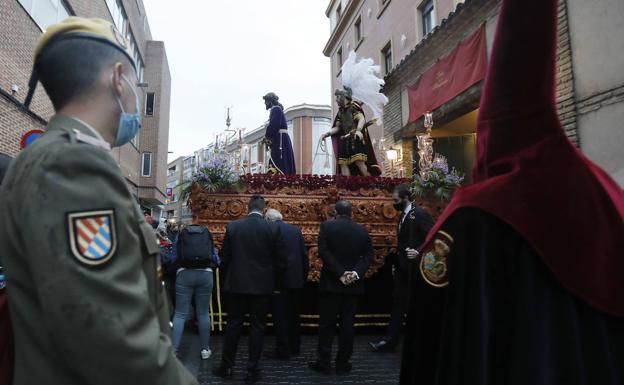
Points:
[(286, 321), (399, 308), (334, 307), (238, 305)]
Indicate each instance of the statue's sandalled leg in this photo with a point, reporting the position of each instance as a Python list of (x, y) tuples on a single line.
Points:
[(362, 167), (344, 170)]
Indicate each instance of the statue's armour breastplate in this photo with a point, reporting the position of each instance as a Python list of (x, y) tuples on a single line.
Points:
[(347, 123)]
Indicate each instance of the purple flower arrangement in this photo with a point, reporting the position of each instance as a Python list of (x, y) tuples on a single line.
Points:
[(438, 180), (215, 174)]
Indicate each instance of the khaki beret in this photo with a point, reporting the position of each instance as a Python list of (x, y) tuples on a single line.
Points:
[(83, 28)]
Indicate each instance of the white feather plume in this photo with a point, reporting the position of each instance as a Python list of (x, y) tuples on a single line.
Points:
[(361, 77)]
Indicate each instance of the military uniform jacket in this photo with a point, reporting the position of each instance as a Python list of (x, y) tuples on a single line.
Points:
[(82, 268)]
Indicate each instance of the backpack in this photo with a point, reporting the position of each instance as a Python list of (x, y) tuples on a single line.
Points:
[(195, 248), (168, 258)]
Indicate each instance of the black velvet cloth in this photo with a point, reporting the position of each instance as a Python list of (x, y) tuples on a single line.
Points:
[(504, 319)]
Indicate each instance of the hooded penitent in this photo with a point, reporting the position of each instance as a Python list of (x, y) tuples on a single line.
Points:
[(529, 175)]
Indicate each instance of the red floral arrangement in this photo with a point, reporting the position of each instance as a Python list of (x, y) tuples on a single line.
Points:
[(316, 182)]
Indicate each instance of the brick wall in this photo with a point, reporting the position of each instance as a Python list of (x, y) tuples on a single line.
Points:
[(18, 36), (155, 131), (11, 116), (16, 64), (566, 106)]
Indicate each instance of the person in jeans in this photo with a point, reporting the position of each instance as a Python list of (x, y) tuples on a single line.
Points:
[(194, 278)]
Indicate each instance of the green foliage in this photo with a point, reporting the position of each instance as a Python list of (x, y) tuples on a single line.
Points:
[(438, 181)]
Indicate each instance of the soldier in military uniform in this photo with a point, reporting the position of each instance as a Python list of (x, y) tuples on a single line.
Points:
[(86, 300), (6, 331)]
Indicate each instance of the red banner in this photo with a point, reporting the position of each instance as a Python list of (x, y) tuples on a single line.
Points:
[(450, 76)]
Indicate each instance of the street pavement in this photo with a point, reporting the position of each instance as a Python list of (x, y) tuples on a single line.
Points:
[(368, 367)]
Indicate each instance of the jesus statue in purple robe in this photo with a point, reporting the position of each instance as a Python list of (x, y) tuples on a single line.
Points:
[(282, 158)]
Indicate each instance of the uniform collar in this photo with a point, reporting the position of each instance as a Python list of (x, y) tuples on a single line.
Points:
[(90, 129), (83, 131), (408, 208)]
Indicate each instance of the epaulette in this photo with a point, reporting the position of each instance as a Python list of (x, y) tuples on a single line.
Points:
[(83, 138)]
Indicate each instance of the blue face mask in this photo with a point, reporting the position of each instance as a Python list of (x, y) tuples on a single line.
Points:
[(129, 124)]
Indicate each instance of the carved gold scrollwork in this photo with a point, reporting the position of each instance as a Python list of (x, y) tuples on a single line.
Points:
[(307, 209), (388, 211), (235, 208), (314, 272)]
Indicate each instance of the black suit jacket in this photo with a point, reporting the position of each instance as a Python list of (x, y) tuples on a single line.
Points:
[(252, 256), (297, 256), (411, 234), (343, 245)]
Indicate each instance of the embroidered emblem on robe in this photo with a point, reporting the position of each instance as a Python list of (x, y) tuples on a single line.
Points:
[(434, 261)]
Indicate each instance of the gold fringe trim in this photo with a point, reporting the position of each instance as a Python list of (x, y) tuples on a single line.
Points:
[(353, 159)]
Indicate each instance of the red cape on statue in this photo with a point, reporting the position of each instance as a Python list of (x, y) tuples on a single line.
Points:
[(528, 173)]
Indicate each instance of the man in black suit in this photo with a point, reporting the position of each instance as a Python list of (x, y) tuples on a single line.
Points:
[(347, 252), (412, 228), (252, 261), (286, 302)]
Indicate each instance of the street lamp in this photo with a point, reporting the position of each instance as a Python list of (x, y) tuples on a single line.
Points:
[(392, 155)]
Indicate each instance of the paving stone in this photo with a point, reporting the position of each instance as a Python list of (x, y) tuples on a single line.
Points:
[(368, 367)]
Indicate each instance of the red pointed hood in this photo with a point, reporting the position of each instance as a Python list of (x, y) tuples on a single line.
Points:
[(518, 104), (529, 175)]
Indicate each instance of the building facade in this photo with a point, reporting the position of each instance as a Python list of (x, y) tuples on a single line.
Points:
[(175, 182), (421, 34), (383, 30), (455, 119), (144, 161)]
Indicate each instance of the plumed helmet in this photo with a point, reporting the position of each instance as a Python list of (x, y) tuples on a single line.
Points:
[(346, 92)]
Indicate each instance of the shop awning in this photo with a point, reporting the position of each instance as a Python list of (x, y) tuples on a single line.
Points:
[(450, 76)]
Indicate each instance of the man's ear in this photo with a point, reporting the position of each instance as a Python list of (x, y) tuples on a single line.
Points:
[(117, 79)]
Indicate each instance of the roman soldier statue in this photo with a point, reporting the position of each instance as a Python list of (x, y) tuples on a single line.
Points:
[(352, 144)]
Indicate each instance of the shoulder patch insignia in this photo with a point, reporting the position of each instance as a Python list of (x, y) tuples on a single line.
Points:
[(92, 236), (434, 261)]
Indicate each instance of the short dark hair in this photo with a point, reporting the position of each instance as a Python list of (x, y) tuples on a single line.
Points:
[(256, 203), (68, 69), (343, 208), (404, 190)]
